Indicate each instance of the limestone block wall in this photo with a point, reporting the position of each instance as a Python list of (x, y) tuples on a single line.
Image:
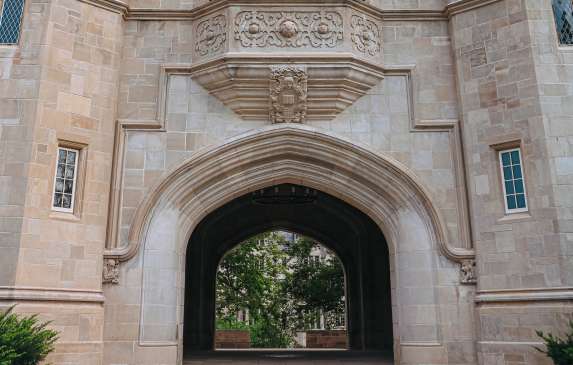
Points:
[(512, 91), (59, 87), (19, 84), (554, 73), (411, 116)]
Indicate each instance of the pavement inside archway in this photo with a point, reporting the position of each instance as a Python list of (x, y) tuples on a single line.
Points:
[(298, 357)]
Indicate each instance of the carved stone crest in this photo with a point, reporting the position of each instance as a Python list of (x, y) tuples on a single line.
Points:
[(288, 91), (365, 35), (318, 29), (211, 36), (468, 272), (110, 271)]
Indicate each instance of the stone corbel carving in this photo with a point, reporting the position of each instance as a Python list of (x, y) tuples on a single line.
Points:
[(110, 271), (288, 94), (468, 272)]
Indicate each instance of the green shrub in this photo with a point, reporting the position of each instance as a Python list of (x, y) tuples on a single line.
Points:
[(24, 340), (560, 350)]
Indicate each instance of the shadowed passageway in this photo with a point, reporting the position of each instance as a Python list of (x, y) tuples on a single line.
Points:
[(351, 234)]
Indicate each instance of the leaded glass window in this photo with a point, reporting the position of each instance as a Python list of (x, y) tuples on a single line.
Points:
[(513, 180), (563, 12), (65, 180), (10, 19)]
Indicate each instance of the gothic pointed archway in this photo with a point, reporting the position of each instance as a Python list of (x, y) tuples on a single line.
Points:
[(378, 187), (355, 238)]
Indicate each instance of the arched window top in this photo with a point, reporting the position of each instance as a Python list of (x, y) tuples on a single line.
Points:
[(10, 21), (563, 11)]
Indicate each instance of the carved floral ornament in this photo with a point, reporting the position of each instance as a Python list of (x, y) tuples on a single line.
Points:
[(211, 35), (318, 29), (365, 35), (288, 91)]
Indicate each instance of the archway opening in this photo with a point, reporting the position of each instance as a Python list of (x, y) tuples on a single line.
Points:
[(351, 234), (280, 290)]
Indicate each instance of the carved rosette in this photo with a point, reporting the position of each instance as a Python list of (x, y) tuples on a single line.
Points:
[(211, 36), (365, 35), (468, 272), (110, 271), (321, 29), (288, 91)]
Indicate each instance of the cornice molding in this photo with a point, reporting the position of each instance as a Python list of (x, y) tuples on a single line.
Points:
[(50, 295), (129, 13), (524, 295), (461, 6)]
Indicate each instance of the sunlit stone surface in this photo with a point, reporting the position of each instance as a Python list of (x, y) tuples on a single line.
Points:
[(177, 110)]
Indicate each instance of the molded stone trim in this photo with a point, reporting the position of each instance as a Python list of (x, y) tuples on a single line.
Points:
[(48, 294), (129, 13), (524, 295)]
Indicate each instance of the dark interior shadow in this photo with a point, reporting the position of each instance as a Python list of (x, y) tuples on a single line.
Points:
[(351, 234)]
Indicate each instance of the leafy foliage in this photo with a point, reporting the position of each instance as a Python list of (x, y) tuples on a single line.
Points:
[(280, 288), (560, 350), (315, 285), (24, 340)]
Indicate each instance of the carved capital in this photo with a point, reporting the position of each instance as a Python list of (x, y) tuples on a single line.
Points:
[(468, 273), (110, 271), (288, 93)]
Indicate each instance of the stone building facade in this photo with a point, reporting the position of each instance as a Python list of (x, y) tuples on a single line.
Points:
[(405, 110)]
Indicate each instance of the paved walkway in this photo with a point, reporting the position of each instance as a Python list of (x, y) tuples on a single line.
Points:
[(277, 357)]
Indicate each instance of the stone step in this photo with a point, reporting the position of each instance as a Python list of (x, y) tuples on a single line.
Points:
[(300, 357)]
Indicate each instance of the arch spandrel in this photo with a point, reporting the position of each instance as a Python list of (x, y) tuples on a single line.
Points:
[(376, 184)]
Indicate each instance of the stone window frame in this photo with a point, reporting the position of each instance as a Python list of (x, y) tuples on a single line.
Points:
[(504, 148), (24, 6), (74, 213)]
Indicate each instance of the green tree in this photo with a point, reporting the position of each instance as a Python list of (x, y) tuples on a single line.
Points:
[(250, 279), (24, 340), (280, 287), (315, 285)]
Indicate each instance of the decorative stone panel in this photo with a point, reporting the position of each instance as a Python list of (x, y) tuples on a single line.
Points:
[(365, 35), (211, 35), (318, 29)]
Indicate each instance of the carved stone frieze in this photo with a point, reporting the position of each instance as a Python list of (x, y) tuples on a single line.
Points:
[(318, 29), (211, 36), (365, 35), (110, 271), (468, 272), (288, 94)]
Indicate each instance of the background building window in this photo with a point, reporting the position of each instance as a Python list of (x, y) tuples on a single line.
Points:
[(513, 181), (563, 11), (10, 20), (65, 180)]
